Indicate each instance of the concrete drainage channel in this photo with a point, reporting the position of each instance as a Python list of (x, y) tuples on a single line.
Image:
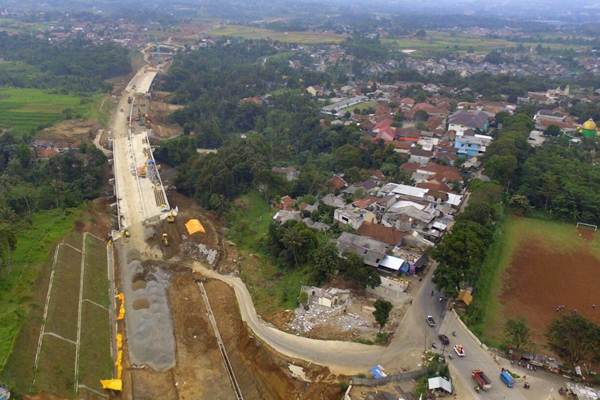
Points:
[(226, 362)]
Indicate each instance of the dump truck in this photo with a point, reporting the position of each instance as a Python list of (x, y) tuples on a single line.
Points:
[(481, 379), (507, 378)]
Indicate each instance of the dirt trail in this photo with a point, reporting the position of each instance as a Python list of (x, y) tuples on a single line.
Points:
[(260, 372)]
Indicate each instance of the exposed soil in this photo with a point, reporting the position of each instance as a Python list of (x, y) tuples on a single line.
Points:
[(199, 371), (262, 373), (177, 233), (541, 279), (72, 131), (159, 111)]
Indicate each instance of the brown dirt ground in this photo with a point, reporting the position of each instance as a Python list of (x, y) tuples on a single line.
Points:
[(176, 230), (541, 279), (72, 131), (159, 111), (199, 371), (262, 374)]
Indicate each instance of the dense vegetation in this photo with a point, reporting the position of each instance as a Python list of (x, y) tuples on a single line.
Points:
[(281, 127), (74, 65), (29, 184)]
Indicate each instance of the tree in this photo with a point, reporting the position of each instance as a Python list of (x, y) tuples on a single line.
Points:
[(517, 333), (382, 312), (353, 269), (325, 262), (8, 242), (552, 130), (574, 339), (501, 168)]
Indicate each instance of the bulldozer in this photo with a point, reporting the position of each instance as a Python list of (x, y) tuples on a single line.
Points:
[(165, 239)]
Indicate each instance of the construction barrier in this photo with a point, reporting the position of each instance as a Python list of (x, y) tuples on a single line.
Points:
[(121, 298)]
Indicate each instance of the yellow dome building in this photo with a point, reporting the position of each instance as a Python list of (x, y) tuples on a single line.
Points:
[(589, 128)]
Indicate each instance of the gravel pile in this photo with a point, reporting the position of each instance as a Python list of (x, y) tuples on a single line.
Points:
[(149, 326)]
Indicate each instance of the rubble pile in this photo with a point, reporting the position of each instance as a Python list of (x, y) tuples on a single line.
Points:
[(200, 252)]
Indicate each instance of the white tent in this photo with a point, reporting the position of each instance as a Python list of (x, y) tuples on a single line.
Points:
[(440, 383)]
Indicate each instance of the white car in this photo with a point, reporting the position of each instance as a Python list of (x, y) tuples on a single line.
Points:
[(430, 321), (459, 350)]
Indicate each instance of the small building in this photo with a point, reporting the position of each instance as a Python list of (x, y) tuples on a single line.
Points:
[(282, 216), (331, 297), (290, 173), (354, 217), (472, 145), (462, 121), (439, 383), (369, 250)]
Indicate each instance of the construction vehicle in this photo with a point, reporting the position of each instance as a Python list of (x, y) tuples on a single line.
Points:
[(127, 234), (165, 239), (141, 171), (483, 382)]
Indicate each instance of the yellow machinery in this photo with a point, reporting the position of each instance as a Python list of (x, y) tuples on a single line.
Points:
[(165, 239)]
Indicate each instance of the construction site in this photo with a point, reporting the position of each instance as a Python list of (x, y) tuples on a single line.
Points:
[(176, 333)]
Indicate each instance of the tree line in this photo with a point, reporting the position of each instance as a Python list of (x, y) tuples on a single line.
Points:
[(75, 65), (29, 184)]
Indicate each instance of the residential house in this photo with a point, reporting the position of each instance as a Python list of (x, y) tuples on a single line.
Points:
[(471, 145), (420, 156), (336, 183), (282, 216), (353, 216), (403, 191), (462, 121), (333, 201), (290, 173), (385, 234), (371, 251), (286, 203)]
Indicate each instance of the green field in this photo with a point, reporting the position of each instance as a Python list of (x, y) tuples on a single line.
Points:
[(23, 110), (56, 373), (64, 301), (444, 41), (560, 238), (248, 32), (95, 361), (272, 288), (19, 290)]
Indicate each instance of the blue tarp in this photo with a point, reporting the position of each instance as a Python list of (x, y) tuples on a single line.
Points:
[(377, 372)]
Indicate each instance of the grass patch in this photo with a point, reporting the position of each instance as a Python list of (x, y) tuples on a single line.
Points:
[(445, 41), (95, 361), (18, 289), (25, 110), (57, 361), (272, 287), (95, 280), (64, 298), (362, 106), (248, 32)]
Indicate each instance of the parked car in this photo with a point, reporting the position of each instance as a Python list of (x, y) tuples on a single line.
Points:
[(444, 340), (430, 321)]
